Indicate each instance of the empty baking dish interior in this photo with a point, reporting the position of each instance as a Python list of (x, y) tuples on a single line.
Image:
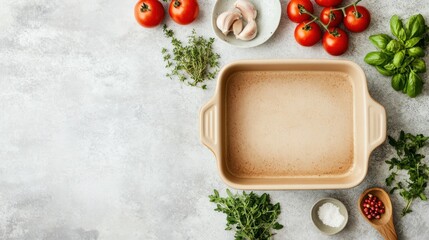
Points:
[(292, 124), (289, 124)]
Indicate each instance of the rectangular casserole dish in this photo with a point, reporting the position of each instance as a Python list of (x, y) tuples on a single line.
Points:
[(292, 124)]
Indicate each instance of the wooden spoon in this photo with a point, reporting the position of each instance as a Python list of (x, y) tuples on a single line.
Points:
[(384, 225)]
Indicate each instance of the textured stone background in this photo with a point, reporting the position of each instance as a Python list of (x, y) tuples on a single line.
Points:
[(95, 143)]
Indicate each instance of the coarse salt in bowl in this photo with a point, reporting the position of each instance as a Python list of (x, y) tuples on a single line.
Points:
[(329, 215)]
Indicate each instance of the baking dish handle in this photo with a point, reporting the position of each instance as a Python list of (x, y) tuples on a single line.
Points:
[(209, 126), (376, 124)]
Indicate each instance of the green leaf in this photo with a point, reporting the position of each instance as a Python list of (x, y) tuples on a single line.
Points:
[(390, 67), (380, 40), (392, 141), (229, 193), (418, 65), (398, 58), (412, 42), (416, 52), (394, 46), (414, 84), (402, 35), (376, 58), (384, 71), (277, 226), (398, 81), (395, 25), (416, 26)]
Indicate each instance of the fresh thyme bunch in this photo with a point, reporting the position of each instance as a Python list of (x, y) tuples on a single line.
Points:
[(192, 63)]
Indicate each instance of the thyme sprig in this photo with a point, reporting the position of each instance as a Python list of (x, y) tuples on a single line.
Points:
[(192, 63)]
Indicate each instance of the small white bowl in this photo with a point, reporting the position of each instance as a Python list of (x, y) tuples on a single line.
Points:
[(319, 224), (268, 19)]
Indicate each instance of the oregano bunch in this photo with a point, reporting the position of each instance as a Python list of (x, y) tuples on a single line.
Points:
[(250, 215), (409, 161)]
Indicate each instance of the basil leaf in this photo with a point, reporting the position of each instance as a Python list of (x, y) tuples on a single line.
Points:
[(398, 81), (403, 70), (398, 58), (395, 25), (390, 67), (416, 52), (418, 65), (412, 42), (414, 84), (394, 46), (404, 90), (384, 71), (407, 61), (376, 58), (416, 26), (402, 35), (380, 40)]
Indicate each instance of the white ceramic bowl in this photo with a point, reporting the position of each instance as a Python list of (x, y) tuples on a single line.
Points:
[(268, 19), (325, 228)]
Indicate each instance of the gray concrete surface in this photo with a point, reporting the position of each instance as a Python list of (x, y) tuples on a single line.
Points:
[(95, 143)]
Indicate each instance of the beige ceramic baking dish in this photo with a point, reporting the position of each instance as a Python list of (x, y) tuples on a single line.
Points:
[(292, 124)]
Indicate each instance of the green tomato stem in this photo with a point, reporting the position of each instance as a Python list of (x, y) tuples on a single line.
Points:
[(343, 9), (177, 3), (315, 18), (144, 8)]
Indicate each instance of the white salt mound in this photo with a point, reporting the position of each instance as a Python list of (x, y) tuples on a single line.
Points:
[(330, 215)]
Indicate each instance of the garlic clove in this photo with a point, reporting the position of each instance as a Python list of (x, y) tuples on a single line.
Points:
[(225, 20), (249, 32), (247, 9), (237, 26)]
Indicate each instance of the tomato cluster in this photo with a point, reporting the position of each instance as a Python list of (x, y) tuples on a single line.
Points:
[(335, 40), (150, 13)]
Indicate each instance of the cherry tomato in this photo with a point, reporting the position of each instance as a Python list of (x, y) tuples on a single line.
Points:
[(328, 3), (308, 34), (149, 13), (336, 41), (293, 11), (336, 15), (184, 11), (357, 21)]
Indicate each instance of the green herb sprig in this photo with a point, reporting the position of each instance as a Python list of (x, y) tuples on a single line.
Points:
[(196, 61), (401, 58), (407, 146), (251, 216)]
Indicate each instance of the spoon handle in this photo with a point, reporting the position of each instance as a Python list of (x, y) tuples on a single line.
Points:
[(388, 231)]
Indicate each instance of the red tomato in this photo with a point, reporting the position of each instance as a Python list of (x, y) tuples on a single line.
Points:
[(149, 13), (336, 41), (308, 34), (293, 11), (336, 15), (357, 21), (184, 11), (328, 3)]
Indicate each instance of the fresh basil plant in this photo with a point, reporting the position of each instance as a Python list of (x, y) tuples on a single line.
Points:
[(401, 58)]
